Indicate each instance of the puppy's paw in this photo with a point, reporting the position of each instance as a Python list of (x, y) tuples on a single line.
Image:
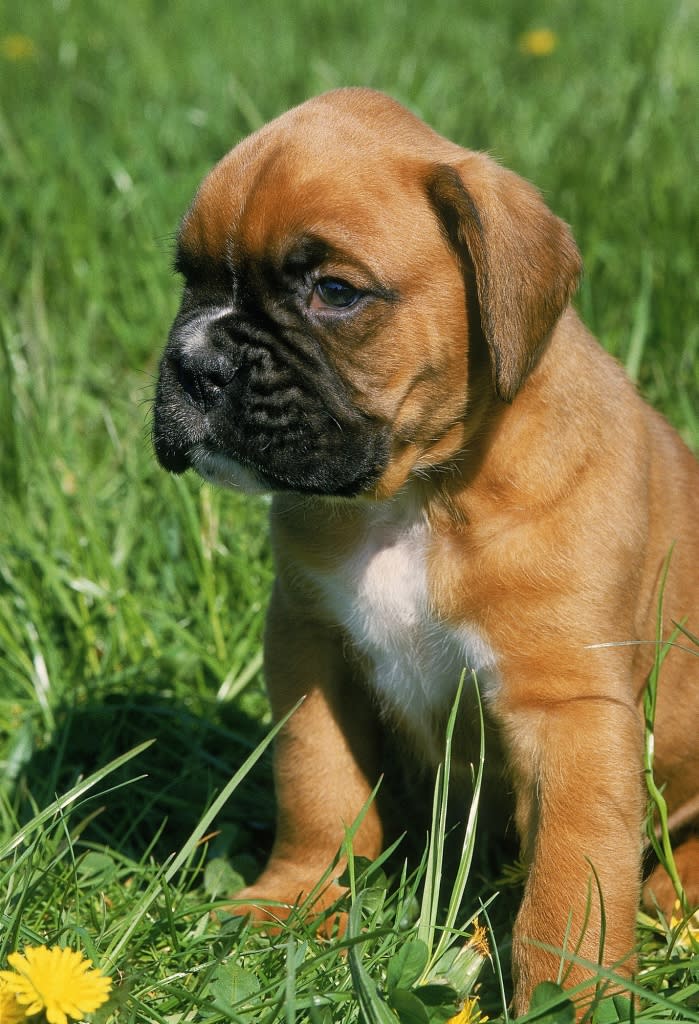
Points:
[(274, 903)]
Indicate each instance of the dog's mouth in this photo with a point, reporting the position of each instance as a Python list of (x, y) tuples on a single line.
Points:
[(252, 416), (221, 470)]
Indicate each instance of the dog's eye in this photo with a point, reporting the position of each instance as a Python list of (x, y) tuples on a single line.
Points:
[(333, 292)]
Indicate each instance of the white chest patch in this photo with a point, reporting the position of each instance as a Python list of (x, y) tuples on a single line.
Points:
[(380, 596)]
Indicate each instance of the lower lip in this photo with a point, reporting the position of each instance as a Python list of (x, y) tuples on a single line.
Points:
[(226, 472)]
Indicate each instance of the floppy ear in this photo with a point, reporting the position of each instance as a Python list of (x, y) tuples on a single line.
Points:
[(525, 262)]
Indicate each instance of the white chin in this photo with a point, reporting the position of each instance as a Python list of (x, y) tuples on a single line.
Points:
[(225, 472)]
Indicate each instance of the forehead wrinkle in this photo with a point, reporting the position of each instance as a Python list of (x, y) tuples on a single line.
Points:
[(352, 211), (213, 217), (306, 178)]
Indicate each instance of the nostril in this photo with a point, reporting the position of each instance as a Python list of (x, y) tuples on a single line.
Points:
[(204, 377)]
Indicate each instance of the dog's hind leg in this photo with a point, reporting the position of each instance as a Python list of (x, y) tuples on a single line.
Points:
[(659, 890)]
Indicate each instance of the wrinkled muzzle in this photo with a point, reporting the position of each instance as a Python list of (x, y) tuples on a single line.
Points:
[(231, 394)]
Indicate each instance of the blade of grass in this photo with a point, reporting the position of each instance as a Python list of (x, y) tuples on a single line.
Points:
[(469, 842), (372, 1007), (189, 846), (61, 804), (659, 837), (433, 876)]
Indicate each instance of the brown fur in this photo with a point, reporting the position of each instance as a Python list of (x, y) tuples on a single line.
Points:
[(553, 494)]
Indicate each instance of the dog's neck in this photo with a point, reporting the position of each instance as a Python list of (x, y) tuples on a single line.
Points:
[(376, 588)]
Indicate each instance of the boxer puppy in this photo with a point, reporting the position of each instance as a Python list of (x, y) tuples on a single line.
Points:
[(375, 327)]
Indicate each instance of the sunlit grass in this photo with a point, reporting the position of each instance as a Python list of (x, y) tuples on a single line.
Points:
[(131, 603)]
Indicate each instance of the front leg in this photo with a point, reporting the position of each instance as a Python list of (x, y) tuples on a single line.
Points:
[(577, 770), (325, 760)]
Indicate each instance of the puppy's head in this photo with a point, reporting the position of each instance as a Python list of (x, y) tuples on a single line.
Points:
[(339, 265)]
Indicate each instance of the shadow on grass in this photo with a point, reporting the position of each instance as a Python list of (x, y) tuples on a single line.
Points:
[(150, 805)]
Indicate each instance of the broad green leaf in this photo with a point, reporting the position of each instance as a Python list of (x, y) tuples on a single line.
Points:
[(554, 1004), (406, 966), (612, 1010), (365, 875), (232, 984), (220, 879), (408, 1007), (95, 864), (442, 998)]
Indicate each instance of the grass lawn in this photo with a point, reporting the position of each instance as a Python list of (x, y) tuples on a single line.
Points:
[(131, 603)]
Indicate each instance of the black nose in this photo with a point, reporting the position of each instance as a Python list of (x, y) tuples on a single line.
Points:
[(204, 376)]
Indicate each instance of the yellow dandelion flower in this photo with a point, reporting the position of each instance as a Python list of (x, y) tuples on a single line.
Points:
[(540, 42), (479, 940), (60, 982), (17, 47), (687, 934), (10, 1010), (460, 966), (469, 1014)]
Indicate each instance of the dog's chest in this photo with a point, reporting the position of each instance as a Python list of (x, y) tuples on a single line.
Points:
[(380, 596)]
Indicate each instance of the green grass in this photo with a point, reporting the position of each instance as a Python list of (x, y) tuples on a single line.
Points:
[(131, 603)]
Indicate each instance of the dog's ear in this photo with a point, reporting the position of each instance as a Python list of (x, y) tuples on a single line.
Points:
[(524, 260)]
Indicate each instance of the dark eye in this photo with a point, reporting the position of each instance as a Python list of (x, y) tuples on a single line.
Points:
[(337, 294)]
